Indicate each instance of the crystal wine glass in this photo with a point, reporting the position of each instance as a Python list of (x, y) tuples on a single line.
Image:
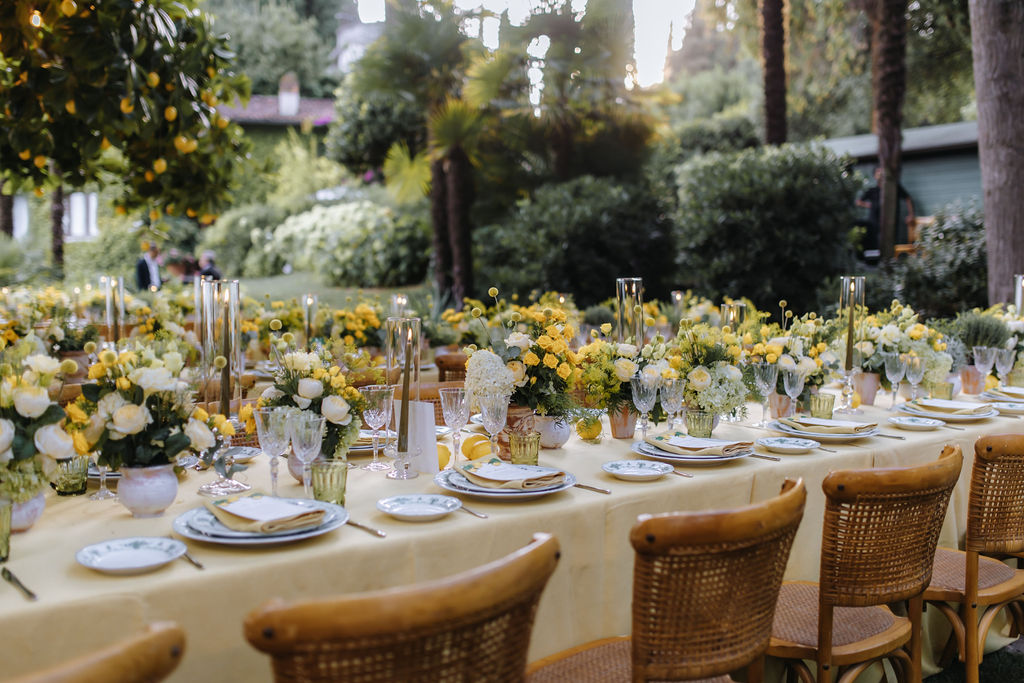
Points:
[(672, 399), (455, 409), (915, 373), (379, 401), (494, 411), (104, 493), (895, 370), (765, 377), (793, 383), (984, 359), (306, 430), (645, 394), (1005, 360), (272, 432)]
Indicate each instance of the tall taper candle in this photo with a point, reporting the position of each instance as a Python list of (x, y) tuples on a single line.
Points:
[(849, 328), (403, 425), (225, 372)]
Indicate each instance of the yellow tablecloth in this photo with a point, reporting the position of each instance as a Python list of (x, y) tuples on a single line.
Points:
[(588, 596)]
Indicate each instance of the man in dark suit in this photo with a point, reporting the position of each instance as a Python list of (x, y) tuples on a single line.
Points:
[(147, 269)]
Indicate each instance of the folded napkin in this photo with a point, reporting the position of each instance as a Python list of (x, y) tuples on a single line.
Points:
[(495, 474), (262, 514), (817, 425), (682, 444), (1008, 393), (943, 405)]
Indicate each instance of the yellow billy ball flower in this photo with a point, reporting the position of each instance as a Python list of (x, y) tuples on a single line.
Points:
[(476, 312), (108, 357), (89, 347), (275, 324), (220, 362), (492, 292), (68, 366), (287, 337)]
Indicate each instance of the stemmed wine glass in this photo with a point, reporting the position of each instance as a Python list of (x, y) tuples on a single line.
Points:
[(455, 409), (379, 401), (306, 430), (793, 383), (645, 394), (765, 377), (672, 399), (272, 432), (915, 373), (494, 411), (103, 493), (895, 370), (984, 359), (1005, 360)]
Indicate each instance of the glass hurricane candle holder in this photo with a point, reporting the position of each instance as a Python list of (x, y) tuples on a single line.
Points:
[(629, 314)]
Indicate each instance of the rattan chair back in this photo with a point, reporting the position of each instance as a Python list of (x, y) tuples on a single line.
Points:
[(430, 392), (705, 586), (881, 528), (474, 626), (995, 509), (145, 658), (451, 367)]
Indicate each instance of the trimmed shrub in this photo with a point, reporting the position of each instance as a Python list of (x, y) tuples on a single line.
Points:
[(232, 237), (366, 125), (577, 237), (768, 223)]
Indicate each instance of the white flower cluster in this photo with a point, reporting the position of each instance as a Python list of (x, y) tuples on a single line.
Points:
[(486, 374), (625, 363), (717, 389), (299, 361)]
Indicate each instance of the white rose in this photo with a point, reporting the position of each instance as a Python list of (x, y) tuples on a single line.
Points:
[(519, 340), (6, 456), (865, 348), (154, 379), (806, 366), (786, 362), (699, 378), (199, 434), (130, 419), (6, 395), (53, 441), (733, 373), (173, 362), (624, 369), (109, 404), (626, 350), (301, 402), (336, 410), (43, 365), (829, 358), (873, 332), (271, 393), (31, 402), (518, 372), (94, 430), (890, 334), (6, 434), (310, 388)]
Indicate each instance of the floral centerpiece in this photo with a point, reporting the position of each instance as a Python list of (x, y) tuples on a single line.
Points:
[(898, 330), (308, 381), (605, 369), (359, 326), (708, 358)]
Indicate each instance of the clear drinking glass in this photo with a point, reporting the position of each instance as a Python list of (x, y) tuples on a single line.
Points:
[(379, 401), (672, 399), (645, 394), (494, 411), (104, 493), (272, 432), (1005, 360), (765, 377), (895, 370), (984, 359), (306, 430), (915, 373), (793, 383), (455, 409)]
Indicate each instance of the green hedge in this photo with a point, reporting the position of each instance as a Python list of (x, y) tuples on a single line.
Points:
[(232, 237)]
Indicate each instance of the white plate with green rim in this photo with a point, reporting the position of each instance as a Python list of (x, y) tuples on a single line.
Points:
[(1008, 407), (135, 555), (419, 507), (915, 424), (788, 445), (637, 470), (912, 409)]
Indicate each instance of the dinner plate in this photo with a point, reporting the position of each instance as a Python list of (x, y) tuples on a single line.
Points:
[(367, 448), (94, 473), (1008, 407), (823, 438), (442, 430), (915, 424), (788, 445), (477, 419), (450, 480), (947, 417), (199, 524), (637, 470), (135, 555), (649, 451), (243, 454), (419, 507)]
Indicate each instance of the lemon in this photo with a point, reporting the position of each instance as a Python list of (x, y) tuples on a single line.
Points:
[(443, 455), (170, 113), (154, 214), (991, 382), (181, 143), (38, 192), (153, 78), (70, 107), (24, 155), (68, 8), (588, 428), (476, 446), (160, 165), (127, 106), (148, 175), (104, 143), (855, 401), (222, 123), (191, 213), (39, 161)]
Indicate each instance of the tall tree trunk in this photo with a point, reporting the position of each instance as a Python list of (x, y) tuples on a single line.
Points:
[(459, 174), (6, 213), (889, 85), (773, 51), (997, 28), (439, 219), (57, 229)]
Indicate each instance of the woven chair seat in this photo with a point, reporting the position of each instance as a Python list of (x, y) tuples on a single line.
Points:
[(996, 581), (795, 628), (603, 661)]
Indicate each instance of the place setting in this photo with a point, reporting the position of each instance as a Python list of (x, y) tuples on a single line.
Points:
[(680, 448), (495, 479), (827, 430), (949, 410)]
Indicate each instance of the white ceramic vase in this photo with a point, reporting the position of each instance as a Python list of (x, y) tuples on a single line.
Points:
[(24, 515), (147, 491), (295, 466), (554, 431)]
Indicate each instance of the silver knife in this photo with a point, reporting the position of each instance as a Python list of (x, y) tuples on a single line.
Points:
[(473, 512), (588, 487), (194, 561), (891, 436), (10, 578), (367, 529), (765, 457)]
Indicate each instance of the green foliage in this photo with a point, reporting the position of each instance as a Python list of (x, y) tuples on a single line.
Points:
[(948, 272), (598, 314), (237, 231), (733, 92), (114, 252), (577, 237), (977, 329), (301, 172), (767, 223), (19, 265)]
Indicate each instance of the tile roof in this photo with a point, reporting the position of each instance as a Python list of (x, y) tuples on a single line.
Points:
[(263, 109)]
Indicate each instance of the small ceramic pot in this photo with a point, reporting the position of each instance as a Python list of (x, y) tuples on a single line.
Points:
[(867, 384), (147, 491), (780, 406), (972, 380), (554, 431), (81, 358), (623, 423), (24, 515)]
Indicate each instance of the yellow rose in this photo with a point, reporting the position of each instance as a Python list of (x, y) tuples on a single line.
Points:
[(123, 383), (606, 328), (545, 342), (771, 358), (531, 358), (564, 370), (551, 360), (245, 414), (76, 414), (80, 442), (203, 416), (748, 339)]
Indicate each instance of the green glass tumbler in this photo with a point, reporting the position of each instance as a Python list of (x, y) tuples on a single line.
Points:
[(821, 405), (329, 478), (525, 448), (699, 423), (72, 476), (5, 529)]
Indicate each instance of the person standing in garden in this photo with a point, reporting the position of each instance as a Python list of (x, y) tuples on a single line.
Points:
[(147, 269), (207, 266), (871, 199)]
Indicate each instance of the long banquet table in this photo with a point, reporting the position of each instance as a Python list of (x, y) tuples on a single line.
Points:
[(588, 596)]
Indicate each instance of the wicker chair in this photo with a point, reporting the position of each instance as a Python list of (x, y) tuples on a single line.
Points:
[(880, 531), (143, 659), (995, 525), (431, 392), (704, 591), (451, 367), (474, 626)]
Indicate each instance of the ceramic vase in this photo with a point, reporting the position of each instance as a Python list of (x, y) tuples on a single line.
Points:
[(780, 406), (519, 419), (867, 384), (24, 515), (554, 431), (147, 491), (623, 423), (973, 382)]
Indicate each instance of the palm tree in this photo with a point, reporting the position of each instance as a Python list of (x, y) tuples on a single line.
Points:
[(773, 51)]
